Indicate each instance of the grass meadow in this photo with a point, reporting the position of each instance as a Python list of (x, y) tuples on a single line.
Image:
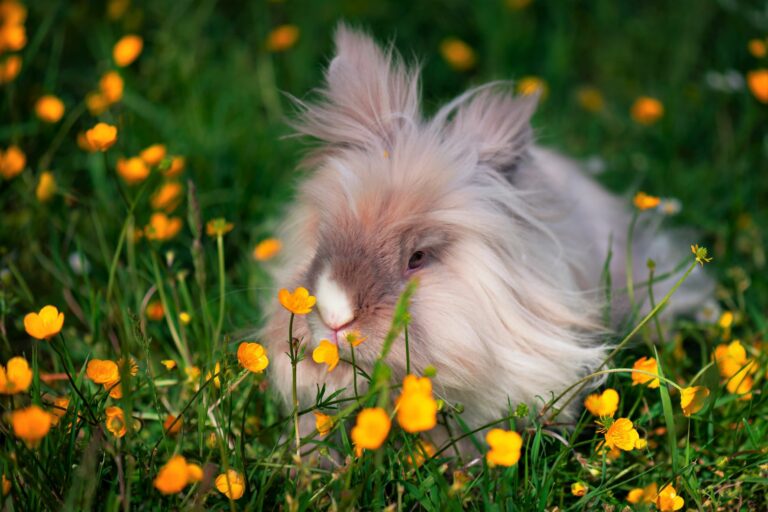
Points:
[(146, 163)]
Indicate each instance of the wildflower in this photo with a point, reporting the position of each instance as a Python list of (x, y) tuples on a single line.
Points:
[(252, 357), (6, 486), (154, 154), (282, 38), (193, 374), (701, 254), (102, 371), (726, 320), (641, 443), (578, 489), (10, 69), (458, 54), (741, 384), (15, 377), (116, 421), (758, 83), (757, 48), (371, 429), (669, 206), (127, 50), (101, 137), (161, 227), (194, 473), (692, 399), (730, 358), (529, 85), (231, 484), (327, 353), (169, 364), (218, 227), (267, 249), (46, 186), (620, 434), (645, 202), (96, 103), (354, 338), (422, 451), (604, 404), (298, 302), (646, 495), (111, 87), (185, 318), (45, 324), (505, 447), (590, 99), (167, 197), (175, 475), (647, 365), (31, 424), (323, 423), (12, 162), (60, 406), (176, 167), (132, 170), (668, 500), (214, 375), (647, 110), (13, 37), (49, 109), (416, 408), (155, 311), (172, 425)]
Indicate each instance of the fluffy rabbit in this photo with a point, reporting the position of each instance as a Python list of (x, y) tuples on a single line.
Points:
[(508, 241)]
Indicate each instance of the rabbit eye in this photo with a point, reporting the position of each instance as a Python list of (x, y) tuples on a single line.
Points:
[(417, 260)]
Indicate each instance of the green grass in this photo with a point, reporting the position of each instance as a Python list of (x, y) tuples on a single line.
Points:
[(206, 86)]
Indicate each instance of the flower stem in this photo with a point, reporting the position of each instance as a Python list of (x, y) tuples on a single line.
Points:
[(72, 381), (222, 289), (354, 368), (629, 269), (294, 352)]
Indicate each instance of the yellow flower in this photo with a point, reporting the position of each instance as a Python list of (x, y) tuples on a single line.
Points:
[(111, 86), (161, 227), (12, 162), (692, 399), (741, 384), (252, 357), (171, 425), (327, 353), (758, 83), (604, 404), (116, 421), (167, 197), (641, 443), (731, 358), (176, 167), (96, 103), (267, 249), (590, 99), (217, 372), (371, 429), (13, 37), (646, 495), (505, 447), (10, 69), (101, 137), (154, 154), (31, 424), (532, 85), (422, 451), (174, 476), (60, 406), (127, 50), (49, 109), (416, 408), (185, 318), (578, 489), (15, 377), (194, 473), (647, 365), (620, 434), (102, 371), (46, 186), (169, 364), (132, 170), (726, 320), (155, 311), (298, 302), (218, 227), (6, 486), (231, 484), (645, 202), (458, 54), (323, 423), (354, 338), (757, 48), (45, 324), (282, 38), (668, 500), (701, 254), (646, 110)]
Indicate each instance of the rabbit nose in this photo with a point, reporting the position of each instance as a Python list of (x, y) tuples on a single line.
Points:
[(333, 304)]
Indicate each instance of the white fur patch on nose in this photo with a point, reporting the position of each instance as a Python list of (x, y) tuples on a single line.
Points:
[(333, 302)]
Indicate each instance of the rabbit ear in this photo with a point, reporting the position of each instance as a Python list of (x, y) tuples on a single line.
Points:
[(369, 94), (496, 125)]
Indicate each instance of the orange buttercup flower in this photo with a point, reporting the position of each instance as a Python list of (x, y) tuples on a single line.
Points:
[(578, 489), (282, 38), (167, 197), (590, 99), (194, 472), (218, 227), (298, 302), (645, 202), (13, 37), (504, 447), (116, 421), (647, 365), (757, 48), (96, 103), (267, 249), (323, 423), (668, 500), (15, 376), (12, 13), (101, 137), (59, 409), (31, 424), (127, 50), (371, 429), (416, 408), (692, 399), (176, 474), (46, 186), (49, 109), (354, 338), (620, 434), (604, 404), (111, 86), (169, 364), (10, 69), (12, 162), (646, 110), (171, 425), (741, 384), (422, 450), (758, 83), (328, 353), (252, 357), (231, 484), (155, 311), (215, 375), (176, 167), (132, 170), (646, 495), (161, 227), (532, 85), (6, 485), (102, 371), (458, 54), (731, 359), (45, 324), (154, 154)]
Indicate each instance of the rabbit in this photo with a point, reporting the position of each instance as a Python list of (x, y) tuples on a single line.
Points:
[(507, 240)]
